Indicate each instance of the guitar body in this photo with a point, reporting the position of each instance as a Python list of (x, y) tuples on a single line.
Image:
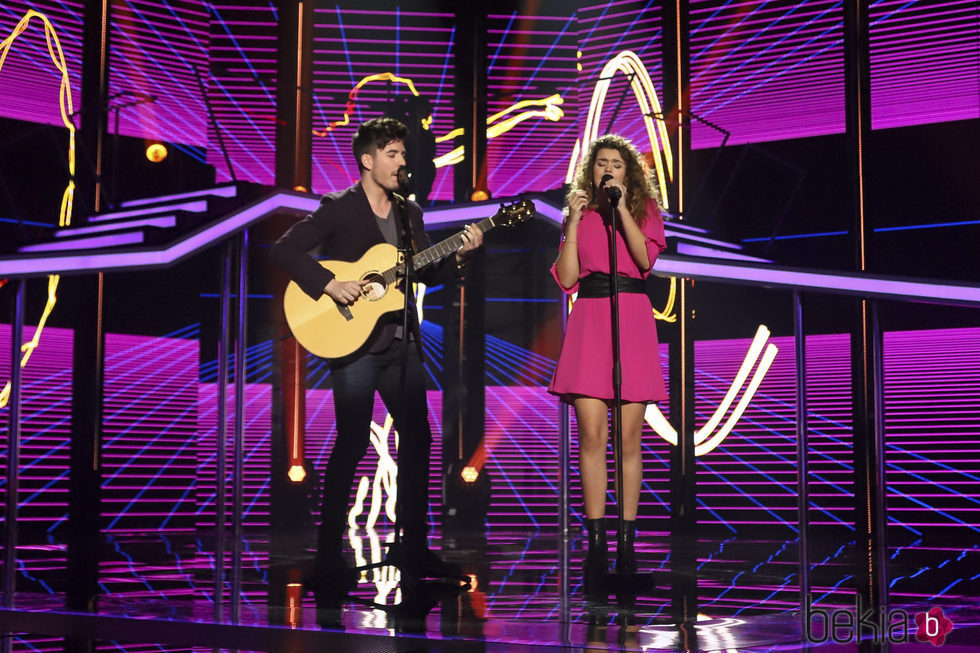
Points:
[(332, 330), (322, 327)]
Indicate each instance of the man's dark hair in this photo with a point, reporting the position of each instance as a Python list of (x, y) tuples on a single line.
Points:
[(375, 134)]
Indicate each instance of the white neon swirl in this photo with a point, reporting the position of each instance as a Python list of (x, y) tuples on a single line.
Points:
[(704, 440), (743, 403), (761, 335)]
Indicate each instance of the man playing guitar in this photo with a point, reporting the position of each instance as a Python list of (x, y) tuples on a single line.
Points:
[(345, 226)]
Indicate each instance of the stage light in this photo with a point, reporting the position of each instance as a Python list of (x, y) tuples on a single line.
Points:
[(156, 151), (469, 474), (296, 474), (479, 196), (467, 497), (302, 189)]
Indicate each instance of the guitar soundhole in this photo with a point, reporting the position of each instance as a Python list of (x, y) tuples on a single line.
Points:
[(375, 287)]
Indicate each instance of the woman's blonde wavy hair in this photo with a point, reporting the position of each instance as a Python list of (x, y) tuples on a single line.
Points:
[(638, 182)]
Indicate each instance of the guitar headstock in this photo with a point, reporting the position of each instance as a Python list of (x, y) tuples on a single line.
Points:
[(515, 213)]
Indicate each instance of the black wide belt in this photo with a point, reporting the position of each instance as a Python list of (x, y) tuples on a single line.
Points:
[(597, 284)]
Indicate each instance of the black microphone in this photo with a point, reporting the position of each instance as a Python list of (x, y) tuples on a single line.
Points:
[(614, 194), (404, 179)]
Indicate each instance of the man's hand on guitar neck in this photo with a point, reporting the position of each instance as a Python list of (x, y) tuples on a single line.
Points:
[(345, 292), (472, 239)]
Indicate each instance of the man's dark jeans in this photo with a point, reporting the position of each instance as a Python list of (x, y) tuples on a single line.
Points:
[(354, 385)]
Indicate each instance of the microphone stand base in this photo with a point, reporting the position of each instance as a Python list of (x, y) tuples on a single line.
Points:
[(625, 586)]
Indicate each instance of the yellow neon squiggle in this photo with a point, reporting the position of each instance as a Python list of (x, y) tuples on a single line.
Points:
[(551, 111), (67, 198), (352, 97)]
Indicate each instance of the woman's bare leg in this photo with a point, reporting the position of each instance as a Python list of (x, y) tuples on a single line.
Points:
[(593, 433), (632, 457)]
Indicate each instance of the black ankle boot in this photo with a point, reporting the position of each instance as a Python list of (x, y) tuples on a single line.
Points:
[(625, 555), (596, 557)]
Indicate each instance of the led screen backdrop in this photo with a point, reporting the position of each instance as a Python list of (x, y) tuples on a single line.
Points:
[(158, 50), (242, 89), (532, 82), (605, 30), (766, 70), (160, 429), (761, 70), (384, 55), (160, 460), (925, 62)]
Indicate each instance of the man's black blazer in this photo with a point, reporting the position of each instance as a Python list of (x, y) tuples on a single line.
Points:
[(343, 227)]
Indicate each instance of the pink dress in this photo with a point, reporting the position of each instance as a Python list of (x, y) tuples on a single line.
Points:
[(585, 362)]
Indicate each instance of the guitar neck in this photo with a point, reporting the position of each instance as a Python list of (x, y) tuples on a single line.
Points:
[(446, 247)]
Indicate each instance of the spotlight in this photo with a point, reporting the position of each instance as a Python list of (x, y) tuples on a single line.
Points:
[(466, 498), (469, 474), (479, 195), (302, 189), (156, 151), (296, 474)]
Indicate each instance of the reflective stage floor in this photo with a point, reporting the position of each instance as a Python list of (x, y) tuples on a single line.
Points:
[(157, 593)]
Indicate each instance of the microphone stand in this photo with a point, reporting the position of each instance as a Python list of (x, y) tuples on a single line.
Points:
[(625, 585), (397, 555)]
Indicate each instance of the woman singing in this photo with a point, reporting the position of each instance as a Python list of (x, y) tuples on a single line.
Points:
[(583, 376)]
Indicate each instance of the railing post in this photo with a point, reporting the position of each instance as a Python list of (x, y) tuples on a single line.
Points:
[(221, 434), (802, 458), (238, 457), (13, 451)]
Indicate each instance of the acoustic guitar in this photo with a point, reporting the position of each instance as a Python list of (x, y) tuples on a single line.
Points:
[(333, 330)]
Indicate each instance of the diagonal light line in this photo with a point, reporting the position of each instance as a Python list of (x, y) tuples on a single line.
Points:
[(629, 30), (191, 127), (779, 73), (350, 65), (552, 47), (739, 490), (248, 62), (510, 352), (892, 488), (746, 43), (210, 399), (209, 500), (331, 139), (163, 468), (500, 45), (556, 143), (707, 21), (731, 26), (191, 36), (67, 419)]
